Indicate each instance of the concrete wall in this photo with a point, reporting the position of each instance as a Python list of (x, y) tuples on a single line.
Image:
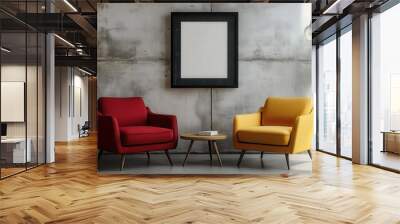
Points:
[(134, 60)]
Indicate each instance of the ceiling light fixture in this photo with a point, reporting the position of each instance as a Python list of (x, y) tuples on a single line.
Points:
[(84, 71), (79, 51), (64, 40), (326, 11), (337, 7), (70, 5), (5, 50)]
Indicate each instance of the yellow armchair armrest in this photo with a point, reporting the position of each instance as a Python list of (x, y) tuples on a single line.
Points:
[(245, 120), (302, 134)]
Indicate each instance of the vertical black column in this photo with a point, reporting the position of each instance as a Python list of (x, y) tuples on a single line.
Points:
[(37, 89), (211, 105), (338, 76), (1, 163), (317, 96), (369, 95), (26, 86)]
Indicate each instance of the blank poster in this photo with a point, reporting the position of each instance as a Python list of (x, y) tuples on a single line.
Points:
[(204, 50), (12, 101)]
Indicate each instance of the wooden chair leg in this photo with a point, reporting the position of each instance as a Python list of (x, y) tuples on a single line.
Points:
[(148, 158), (99, 154), (122, 161), (241, 157), (262, 155), (169, 158), (287, 160), (148, 155), (309, 153)]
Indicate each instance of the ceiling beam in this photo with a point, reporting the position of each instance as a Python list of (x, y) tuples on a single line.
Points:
[(81, 61), (84, 24), (337, 7)]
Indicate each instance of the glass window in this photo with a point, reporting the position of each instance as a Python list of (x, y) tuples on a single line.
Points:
[(346, 94), (385, 89), (327, 96), (22, 92), (15, 150)]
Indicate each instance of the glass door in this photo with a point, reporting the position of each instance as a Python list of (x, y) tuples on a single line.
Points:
[(334, 88), (22, 78), (385, 89), (14, 153), (326, 60)]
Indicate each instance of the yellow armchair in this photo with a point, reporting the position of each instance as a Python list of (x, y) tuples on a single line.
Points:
[(283, 125)]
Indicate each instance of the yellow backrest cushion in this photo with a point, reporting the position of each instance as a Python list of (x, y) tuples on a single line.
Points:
[(283, 111)]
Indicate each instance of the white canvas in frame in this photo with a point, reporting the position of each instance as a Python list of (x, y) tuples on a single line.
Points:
[(12, 101), (204, 47)]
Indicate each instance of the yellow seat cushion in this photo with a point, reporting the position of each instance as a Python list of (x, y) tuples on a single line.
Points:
[(268, 135)]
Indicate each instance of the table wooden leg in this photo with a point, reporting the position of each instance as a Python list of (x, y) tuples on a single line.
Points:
[(188, 152), (217, 151), (209, 151)]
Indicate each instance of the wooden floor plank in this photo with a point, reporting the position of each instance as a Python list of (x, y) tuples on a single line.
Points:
[(71, 191)]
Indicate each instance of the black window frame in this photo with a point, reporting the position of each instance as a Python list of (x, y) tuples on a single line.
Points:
[(334, 37)]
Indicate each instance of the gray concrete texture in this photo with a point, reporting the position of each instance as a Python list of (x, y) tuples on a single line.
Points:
[(134, 60)]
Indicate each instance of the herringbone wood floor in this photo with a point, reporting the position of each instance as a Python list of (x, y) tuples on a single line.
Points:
[(71, 191)]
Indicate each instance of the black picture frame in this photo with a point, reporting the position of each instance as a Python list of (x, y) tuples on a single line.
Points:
[(232, 55)]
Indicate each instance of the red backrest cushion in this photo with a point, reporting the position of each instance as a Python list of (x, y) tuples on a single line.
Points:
[(129, 111)]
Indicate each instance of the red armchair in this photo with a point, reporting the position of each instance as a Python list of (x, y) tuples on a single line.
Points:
[(126, 125)]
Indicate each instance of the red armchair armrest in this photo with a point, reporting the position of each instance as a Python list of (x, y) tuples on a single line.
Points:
[(108, 133), (163, 121)]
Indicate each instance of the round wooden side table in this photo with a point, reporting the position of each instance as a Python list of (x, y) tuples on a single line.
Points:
[(212, 143)]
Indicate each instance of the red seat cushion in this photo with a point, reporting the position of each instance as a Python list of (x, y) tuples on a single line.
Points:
[(145, 135)]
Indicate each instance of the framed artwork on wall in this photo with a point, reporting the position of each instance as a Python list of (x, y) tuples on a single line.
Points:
[(204, 51)]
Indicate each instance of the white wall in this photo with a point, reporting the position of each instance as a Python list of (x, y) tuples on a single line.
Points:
[(17, 73), (62, 81), (70, 83), (33, 127), (79, 117)]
